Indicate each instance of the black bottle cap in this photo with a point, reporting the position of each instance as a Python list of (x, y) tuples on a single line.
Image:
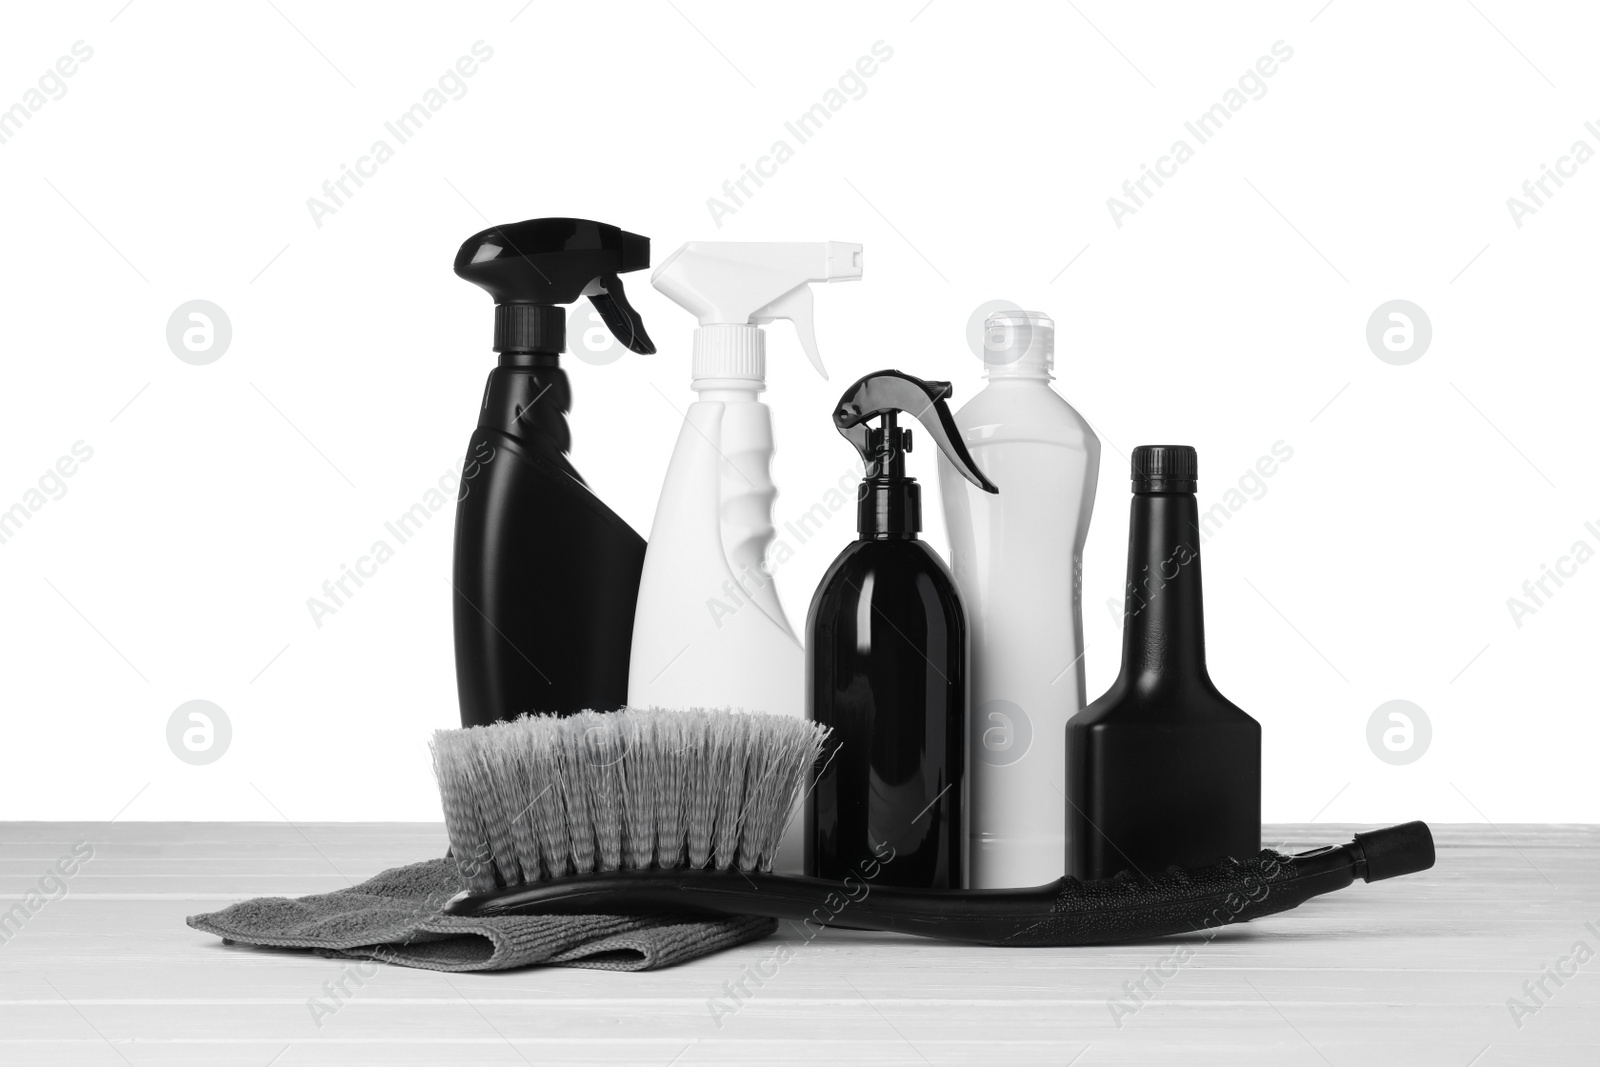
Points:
[(529, 328), (1165, 469), (531, 267)]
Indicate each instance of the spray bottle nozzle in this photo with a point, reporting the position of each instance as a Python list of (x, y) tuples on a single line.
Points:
[(531, 267), (890, 503), (747, 284), (885, 395)]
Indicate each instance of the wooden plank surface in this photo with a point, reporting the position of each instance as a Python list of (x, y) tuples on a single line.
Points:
[(1416, 971)]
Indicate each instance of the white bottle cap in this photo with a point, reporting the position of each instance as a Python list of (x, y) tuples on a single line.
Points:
[(727, 350), (1019, 344)]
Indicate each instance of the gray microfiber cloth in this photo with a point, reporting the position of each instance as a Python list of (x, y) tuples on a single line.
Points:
[(397, 917)]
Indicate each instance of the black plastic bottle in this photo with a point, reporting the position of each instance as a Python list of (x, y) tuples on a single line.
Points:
[(546, 575), (1162, 769), (886, 663)]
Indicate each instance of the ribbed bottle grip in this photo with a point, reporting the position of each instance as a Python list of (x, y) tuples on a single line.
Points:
[(748, 495)]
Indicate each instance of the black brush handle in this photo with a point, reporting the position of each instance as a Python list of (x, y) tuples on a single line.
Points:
[(1068, 912)]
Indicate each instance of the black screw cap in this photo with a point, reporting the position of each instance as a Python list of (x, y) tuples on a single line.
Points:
[(1165, 469)]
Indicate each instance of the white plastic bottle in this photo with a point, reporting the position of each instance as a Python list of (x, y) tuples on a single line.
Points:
[(1017, 559), (709, 630)]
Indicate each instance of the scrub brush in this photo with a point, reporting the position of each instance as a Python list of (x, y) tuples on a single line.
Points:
[(546, 797), (680, 812)]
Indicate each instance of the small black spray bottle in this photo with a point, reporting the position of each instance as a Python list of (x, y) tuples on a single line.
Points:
[(886, 662)]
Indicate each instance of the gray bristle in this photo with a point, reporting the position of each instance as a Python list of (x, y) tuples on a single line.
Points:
[(698, 806), (671, 771), (453, 765), (639, 774), (546, 774), (544, 796), (575, 798), (728, 775), (499, 806)]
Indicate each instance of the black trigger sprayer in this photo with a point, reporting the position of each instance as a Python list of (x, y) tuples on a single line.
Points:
[(886, 659), (890, 503), (545, 575)]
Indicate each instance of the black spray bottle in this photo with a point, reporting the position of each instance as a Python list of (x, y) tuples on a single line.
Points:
[(546, 575), (1162, 769), (886, 662)]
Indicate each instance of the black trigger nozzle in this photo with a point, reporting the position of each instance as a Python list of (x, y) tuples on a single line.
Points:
[(530, 268), (619, 316)]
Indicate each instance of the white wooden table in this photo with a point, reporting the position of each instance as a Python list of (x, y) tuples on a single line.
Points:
[(1415, 971)]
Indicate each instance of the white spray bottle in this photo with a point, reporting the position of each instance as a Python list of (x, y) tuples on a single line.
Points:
[(709, 630)]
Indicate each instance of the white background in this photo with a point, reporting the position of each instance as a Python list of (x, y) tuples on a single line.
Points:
[(1229, 312)]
